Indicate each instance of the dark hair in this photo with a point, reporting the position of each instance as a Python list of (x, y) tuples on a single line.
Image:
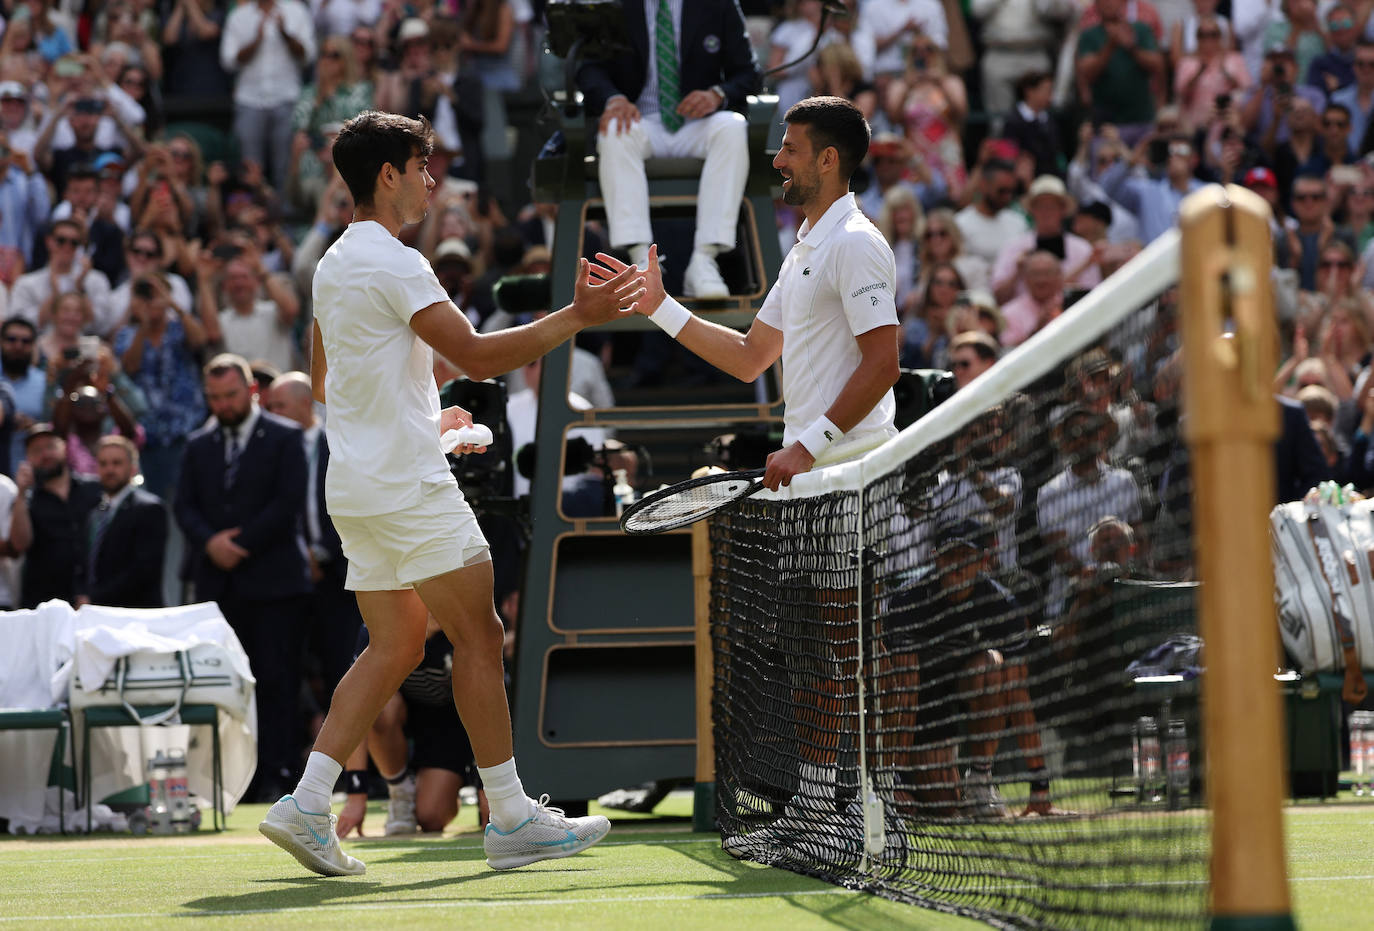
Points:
[(997, 166), (1029, 80), (142, 233), (227, 362), (373, 139), (1333, 105), (13, 322), (81, 171), (834, 121), (983, 345), (71, 224)]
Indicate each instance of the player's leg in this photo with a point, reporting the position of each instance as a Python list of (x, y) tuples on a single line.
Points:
[(521, 831), (387, 743), (300, 823)]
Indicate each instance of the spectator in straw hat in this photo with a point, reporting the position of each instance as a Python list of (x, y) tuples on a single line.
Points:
[(1049, 205), (971, 353)]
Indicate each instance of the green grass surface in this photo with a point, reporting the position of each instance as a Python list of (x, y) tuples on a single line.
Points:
[(650, 873)]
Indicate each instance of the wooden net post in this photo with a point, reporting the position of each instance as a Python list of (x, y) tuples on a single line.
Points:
[(704, 796), (1231, 420)]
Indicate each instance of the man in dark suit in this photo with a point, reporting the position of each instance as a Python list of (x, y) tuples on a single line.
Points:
[(333, 617), (1298, 461), (124, 538), (241, 504), (678, 92)]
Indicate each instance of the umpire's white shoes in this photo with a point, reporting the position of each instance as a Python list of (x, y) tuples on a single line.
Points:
[(702, 278), (546, 835), (309, 837)]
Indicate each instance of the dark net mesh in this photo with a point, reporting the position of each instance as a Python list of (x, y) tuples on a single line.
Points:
[(969, 682)]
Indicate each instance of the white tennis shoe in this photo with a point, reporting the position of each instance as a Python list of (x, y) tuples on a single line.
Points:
[(309, 837), (546, 835), (400, 808)]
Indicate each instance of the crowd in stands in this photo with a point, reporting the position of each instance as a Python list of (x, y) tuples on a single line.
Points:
[(166, 190)]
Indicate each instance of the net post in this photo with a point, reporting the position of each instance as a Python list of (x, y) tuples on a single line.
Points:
[(1231, 424), (704, 792)]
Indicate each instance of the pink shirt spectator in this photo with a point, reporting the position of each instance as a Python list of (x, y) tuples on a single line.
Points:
[(82, 460), (1025, 315), (1198, 84), (1078, 253)]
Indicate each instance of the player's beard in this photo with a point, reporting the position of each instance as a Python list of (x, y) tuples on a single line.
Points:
[(799, 192)]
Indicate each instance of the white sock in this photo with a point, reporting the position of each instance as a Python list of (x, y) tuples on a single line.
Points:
[(506, 796), (710, 250), (317, 783)]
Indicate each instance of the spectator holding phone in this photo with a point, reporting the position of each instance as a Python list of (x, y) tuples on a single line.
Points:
[(1210, 79), (1265, 111), (158, 351), (82, 114), (143, 254)]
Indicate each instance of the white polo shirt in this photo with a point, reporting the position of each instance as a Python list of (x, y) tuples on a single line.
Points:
[(837, 282), (383, 424)]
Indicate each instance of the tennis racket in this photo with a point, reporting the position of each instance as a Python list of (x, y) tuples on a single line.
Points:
[(690, 501)]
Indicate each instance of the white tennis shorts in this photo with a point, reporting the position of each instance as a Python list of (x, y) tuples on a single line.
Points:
[(387, 552)]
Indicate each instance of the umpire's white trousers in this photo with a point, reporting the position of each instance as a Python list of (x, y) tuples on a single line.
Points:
[(721, 138)]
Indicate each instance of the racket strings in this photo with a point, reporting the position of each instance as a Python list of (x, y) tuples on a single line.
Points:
[(687, 505)]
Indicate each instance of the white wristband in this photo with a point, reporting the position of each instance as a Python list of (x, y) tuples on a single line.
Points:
[(818, 437), (671, 316)]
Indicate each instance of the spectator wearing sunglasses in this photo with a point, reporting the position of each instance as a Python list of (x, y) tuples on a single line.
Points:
[(144, 256), (68, 270), (1358, 95), (26, 380), (1335, 68)]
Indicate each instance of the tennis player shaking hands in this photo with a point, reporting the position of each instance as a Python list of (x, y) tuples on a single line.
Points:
[(831, 316)]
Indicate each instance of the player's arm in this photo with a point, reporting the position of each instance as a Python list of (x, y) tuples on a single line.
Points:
[(486, 355), (877, 372), (318, 365), (743, 355)]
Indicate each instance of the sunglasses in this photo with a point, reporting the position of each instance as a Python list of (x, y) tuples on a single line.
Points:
[(962, 363), (20, 340), (146, 253), (1004, 191), (1309, 195), (947, 282), (181, 155), (1341, 23), (332, 53), (1336, 123), (65, 241), (1336, 263), (932, 234)]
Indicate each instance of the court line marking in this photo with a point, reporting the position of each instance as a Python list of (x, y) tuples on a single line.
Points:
[(336, 907)]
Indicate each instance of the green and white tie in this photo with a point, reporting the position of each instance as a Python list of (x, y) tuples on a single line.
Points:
[(665, 49)]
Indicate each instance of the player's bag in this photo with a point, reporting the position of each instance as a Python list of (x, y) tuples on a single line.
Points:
[(204, 674), (1324, 587)]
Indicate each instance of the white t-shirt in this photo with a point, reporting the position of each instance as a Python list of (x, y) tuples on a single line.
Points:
[(9, 590), (1069, 505), (383, 424), (259, 335), (985, 236), (837, 282)]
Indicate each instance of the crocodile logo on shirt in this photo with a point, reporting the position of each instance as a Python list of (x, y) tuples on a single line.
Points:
[(806, 271)]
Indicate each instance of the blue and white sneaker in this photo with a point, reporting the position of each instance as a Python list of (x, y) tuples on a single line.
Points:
[(309, 837), (545, 835)]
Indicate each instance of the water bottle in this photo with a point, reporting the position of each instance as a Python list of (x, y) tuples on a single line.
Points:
[(1147, 759), (159, 802), (1362, 751), (623, 491), (178, 792), (1180, 764)]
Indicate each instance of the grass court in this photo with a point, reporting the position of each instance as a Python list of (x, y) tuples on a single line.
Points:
[(650, 873)]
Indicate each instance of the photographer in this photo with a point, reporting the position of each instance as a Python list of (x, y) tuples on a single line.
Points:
[(158, 349), (1266, 108)]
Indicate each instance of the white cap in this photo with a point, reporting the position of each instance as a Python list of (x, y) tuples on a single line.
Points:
[(413, 28)]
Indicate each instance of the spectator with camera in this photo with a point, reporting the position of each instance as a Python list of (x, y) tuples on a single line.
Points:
[(158, 350), (1210, 78), (68, 271), (83, 413), (81, 113), (143, 255), (1153, 201), (1266, 110)]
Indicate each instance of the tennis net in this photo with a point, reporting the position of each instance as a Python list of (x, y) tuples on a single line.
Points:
[(960, 671)]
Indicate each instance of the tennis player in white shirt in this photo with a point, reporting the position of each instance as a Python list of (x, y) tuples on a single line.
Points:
[(832, 319), (412, 542)]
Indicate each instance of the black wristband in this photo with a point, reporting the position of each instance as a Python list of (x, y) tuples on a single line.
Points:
[(1039, 782), (355, 781)]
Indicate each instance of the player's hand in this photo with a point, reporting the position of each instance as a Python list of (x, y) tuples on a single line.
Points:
[(452, 418), (352, 815), (618, 117), (613, 297), (784, 464), (654, 292)]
